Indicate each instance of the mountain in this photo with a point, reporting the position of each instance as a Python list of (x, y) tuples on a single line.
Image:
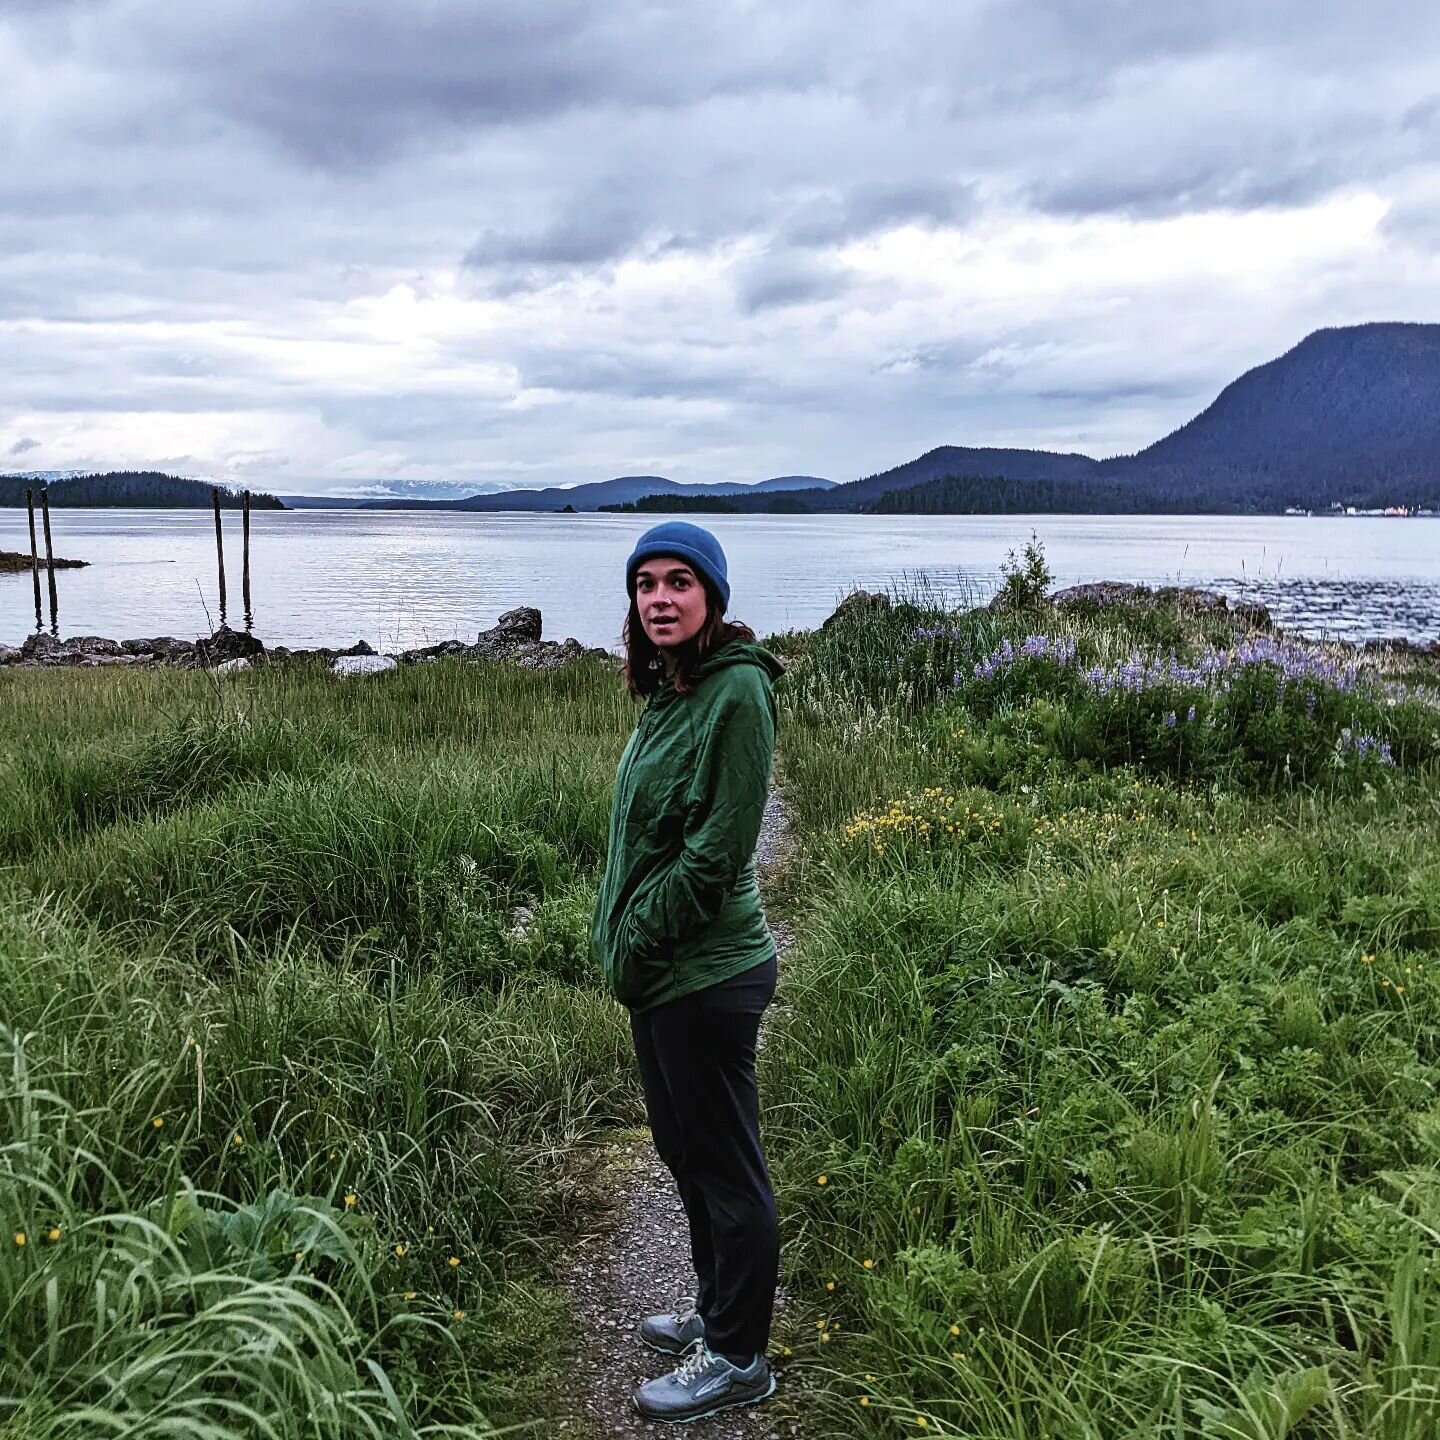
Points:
[(594, 494), (130, 489), (366, 492), (1349, 415)]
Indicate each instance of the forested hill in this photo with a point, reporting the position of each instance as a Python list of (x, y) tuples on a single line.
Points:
[(130, 489), (1349, 414), (1348, 417)]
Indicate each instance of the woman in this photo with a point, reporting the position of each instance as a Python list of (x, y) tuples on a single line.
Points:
[(683, 943)]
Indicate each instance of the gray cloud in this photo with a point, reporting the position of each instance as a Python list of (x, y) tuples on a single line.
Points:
[(879, 205), (774, 281), (24, 446), (544, 241)]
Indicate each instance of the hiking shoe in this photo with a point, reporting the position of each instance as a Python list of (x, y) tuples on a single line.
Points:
[(673, 1334), (704, 1384)]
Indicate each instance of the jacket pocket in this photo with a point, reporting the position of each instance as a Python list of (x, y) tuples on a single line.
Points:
[(641, 962)]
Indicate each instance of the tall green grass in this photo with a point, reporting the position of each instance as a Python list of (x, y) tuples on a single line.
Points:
[(301, 1045), (1104, 1099)]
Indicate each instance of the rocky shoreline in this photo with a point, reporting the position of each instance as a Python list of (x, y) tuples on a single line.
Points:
[(516, 639), (13, 562)]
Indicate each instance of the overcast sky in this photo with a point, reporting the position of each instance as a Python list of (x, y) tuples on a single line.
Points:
[(303, 244)]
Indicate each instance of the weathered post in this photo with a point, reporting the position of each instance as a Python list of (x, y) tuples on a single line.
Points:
[(50, 559), (34, 556), (219, 546), (245, 561)]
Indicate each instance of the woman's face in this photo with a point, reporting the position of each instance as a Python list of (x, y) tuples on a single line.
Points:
[(670, 599)]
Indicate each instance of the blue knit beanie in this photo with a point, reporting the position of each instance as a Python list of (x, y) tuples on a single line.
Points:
[(689, 542)]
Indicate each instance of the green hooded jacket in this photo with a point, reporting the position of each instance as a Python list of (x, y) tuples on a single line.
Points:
[(679, 904)]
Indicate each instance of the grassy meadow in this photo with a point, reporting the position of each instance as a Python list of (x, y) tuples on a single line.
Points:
[(1105, 1100), (292, 1089), (1101, 1097)]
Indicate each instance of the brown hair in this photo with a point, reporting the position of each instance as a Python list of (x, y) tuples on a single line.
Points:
[(645, 670)]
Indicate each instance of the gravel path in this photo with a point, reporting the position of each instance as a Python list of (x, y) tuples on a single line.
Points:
[(637, 1262)]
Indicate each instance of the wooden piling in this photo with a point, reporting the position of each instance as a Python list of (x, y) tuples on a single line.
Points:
[(219, 546), (50, 558), (34, 556), (245, 559)]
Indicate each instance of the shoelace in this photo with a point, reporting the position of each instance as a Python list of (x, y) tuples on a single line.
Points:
[(694, 1365), (683, 1312)]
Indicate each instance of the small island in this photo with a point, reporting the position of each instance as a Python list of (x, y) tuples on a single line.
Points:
[(14, 562)]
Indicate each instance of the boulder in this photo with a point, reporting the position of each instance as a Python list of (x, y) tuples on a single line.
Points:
[(854, 603), (520, 624), (162, 647), (11, 655), (344, 665), (40, 646), (360, 647), (546, 655), (92, 645), (228, 644), (433, 652), (229, 667)]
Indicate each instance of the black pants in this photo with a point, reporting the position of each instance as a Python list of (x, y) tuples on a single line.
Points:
[(697, 1064)]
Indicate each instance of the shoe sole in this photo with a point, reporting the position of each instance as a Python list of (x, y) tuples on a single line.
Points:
[(713, 1410)]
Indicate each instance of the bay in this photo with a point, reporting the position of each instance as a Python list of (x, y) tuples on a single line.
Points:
[(406, 578)]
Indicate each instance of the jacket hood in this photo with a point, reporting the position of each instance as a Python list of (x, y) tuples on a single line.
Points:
[(740, 652)]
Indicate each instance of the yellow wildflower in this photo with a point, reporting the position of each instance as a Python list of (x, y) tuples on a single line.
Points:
[(54, 1232), (453, 1261), (868, 1264), (19, 1237), (400, 1251), (158, 1122), (822, 1179), (350, 1202)]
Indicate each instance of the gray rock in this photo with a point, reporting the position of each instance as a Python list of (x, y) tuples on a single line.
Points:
[(40, 646), (362, 664), (229, 667), (162, 647), (433, 652), (92, 645), (228, 644), (360, 647), (11, 655), (855, 602), (522, 623)]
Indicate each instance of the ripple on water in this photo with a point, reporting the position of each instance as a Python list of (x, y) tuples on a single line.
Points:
[(1344, 609)]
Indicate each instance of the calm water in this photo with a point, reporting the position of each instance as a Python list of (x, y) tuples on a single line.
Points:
[(401, 578)]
